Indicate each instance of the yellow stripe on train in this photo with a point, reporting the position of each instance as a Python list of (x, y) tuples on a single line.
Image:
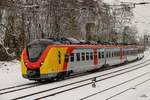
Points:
[(54, 61), (23, 67)]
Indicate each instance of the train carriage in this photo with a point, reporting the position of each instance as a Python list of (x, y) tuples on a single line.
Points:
[(45, 59)]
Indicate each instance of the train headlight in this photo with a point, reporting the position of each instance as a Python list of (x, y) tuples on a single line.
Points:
[(42, 63), (26, 63)]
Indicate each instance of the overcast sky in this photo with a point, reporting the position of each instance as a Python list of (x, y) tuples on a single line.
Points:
[(141, 13)]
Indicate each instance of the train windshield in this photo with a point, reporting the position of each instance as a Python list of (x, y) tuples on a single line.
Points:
[(36, 48), (35, 51)]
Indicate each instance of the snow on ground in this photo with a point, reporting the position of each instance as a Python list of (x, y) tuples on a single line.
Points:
[(141, 92), (10, 75)]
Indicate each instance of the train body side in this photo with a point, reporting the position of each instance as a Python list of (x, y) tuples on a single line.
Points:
[(63, 60)]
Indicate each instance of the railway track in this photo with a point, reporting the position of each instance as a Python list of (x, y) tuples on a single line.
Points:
[(35, 84), (129, 88), (16, 86), (82, 83), (19, 87), (119, 85)]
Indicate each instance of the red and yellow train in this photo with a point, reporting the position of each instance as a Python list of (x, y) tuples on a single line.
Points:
[(44, 59)]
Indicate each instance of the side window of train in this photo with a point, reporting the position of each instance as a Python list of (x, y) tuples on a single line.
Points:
[(116, 53), (66, 58), (127, 52), (91, 55), (83, 56), (99, 55), (130, 53), (124, 52), (107, 54), (87, 56), (78, 56), (102, 55), (72, 57), (113, 54)]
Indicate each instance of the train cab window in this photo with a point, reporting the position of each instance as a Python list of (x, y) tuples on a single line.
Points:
[(91, 55), (72, 57), (83, 56), (102, 55), (87, 56)]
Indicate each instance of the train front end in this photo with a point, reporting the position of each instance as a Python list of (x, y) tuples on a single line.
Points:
[(39, 60)]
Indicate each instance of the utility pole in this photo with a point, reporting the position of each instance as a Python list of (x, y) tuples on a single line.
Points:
[(146, 41)]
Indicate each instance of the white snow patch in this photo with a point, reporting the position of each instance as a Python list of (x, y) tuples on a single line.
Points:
[(10, 74)]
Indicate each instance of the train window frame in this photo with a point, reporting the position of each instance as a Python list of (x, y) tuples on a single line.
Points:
[(83, 56), (99, 55), (72, 57), (87, 56), (127, 52), (116, 53), (102, 55), (109, 54), (124, 52), (78, 57), (91, 55), (112, 53)]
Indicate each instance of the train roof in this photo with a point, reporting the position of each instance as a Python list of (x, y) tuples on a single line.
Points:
[(43, 41), (77, 44)]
